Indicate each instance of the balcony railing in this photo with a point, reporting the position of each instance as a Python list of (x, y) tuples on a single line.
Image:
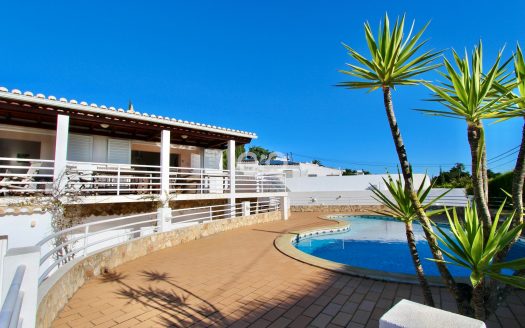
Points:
[(20, 176), (185, 180), (87, 178), (35, 176)]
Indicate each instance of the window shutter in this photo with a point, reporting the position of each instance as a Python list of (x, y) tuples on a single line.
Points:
[(119, 151), (80, 148)]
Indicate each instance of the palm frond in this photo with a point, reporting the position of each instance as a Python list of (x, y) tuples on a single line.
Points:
[(469, 92), (393, 59)]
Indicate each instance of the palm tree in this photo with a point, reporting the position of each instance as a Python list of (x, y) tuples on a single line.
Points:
[(400, 207), (395, 61), (471, 95), (469, 247)]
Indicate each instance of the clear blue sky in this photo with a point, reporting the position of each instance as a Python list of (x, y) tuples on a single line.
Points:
[(262, 66)]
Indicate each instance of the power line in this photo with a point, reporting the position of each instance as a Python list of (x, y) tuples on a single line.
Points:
[(495, 157), (503, 164), (501, 158)]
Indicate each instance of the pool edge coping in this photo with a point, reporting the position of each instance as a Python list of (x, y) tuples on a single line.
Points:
[(284, 244)]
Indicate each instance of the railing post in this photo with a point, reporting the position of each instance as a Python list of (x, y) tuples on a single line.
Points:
[(118, 180), (285, 207), (164, 219), (86, 232), (231, 171), (30, 257), (165, 166), (61, 139), (245, 208), (3, 250)]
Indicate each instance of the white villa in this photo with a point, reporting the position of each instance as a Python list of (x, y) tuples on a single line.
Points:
[(109, 155), (290, 169)]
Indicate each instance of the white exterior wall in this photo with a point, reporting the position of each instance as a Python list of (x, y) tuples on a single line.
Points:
[(344, 183), (25, 229), (293, 171)]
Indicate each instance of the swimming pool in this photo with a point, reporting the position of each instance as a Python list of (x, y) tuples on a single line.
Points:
[(379, 243)]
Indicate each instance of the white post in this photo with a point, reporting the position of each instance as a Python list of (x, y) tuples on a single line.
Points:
[(285, 207), (62, 132), (165, 166), (231, 171), (3, 250), (86, 233), (245, 208), (118, 180), (30, 257), (164, 219)]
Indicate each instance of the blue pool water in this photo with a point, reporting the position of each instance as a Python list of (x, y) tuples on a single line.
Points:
[(379, 243)]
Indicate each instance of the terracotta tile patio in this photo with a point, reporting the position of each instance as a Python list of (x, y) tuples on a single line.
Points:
[(238, 279)]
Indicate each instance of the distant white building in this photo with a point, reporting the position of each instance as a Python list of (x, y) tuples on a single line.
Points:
[(291, 169)]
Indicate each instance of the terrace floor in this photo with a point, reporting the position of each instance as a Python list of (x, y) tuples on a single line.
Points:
[(239, 279)]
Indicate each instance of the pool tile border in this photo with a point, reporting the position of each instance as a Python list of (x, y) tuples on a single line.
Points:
[(284, 243)]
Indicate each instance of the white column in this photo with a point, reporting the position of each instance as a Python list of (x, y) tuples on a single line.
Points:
[(231, 171), (30, 258), (165, 166), (3, 250), (62, 132), (285, 207)]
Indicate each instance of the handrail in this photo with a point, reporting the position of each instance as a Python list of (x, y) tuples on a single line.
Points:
[(84, 238), (10, 313)]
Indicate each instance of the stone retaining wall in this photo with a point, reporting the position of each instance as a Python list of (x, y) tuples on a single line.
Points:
[(55, 292)]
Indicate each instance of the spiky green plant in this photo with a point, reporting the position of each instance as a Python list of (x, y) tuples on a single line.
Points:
[(518, 176), (469, 247), (396, 59), (400, 206), (470, 94)]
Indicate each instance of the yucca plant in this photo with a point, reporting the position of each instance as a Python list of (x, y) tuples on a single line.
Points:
[(395, 59), (470, 94), (518, 176), (469, 247), (399, 206)]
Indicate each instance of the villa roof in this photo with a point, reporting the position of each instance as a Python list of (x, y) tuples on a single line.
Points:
[(91, 109)]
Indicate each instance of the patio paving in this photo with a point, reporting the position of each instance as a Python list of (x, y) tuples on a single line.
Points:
[(239, 279)]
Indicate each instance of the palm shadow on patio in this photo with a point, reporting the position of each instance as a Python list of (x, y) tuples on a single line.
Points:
[(176, 306)]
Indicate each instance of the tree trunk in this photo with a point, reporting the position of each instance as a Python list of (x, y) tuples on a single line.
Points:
[(517, 181), (478, 301), (478, 183), (449, 281), (427, 293)]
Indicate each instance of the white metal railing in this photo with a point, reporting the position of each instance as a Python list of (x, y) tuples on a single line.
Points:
[(88, 178), (10, 313), (250, 182), (31, 176), (19, 176), (215, 181), (223, 211), (61, 247), (186, 180)]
